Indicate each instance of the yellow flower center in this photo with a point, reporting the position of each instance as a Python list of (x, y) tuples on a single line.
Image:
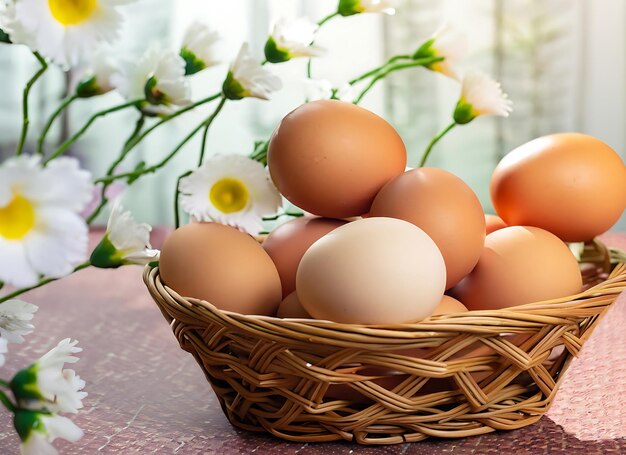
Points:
[(17, 218), (72, 12), (229, 195)]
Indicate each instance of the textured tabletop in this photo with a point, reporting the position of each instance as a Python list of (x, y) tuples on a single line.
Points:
[(148, 396)]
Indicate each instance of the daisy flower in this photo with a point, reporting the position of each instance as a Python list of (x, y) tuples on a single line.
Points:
[(248, 78), (96, 80), (352, 7), (323, 89), (198, 48), (481, 95), (65, 31), (125, 241), (230, 189), (291, 39), (41, 232), (47, 385), (448, 43), (38, 429), (158, 77), (15, 317)]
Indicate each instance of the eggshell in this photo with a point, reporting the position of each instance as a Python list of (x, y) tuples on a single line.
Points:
[(372, 271), (493, 223), (520, 265), (290, 307), (221, 265), (570, 184), (288, 242), (446, 209), (448, 305), (330, 158)]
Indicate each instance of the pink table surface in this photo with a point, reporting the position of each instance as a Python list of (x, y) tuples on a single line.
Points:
[(148, 396)]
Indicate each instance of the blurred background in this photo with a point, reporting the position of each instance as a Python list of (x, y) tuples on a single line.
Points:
[(563, 63)]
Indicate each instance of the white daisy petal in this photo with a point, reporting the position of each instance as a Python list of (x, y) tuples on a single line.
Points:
[(3, 350), (291, 39), (446, 42), (351, 7), (15, 317), (14, 265), (230, 189), (248, 78), (481, 95), (65, 32), (198, 47)]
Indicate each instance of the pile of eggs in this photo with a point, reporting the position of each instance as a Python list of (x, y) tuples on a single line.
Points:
[(386, 245)]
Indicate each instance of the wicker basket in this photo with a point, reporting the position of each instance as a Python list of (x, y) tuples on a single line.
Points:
[(449, 376)]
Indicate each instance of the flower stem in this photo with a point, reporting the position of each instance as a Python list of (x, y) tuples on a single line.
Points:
[(43, 282), (206, 130), (278, 215), (376, 70), (63, 148), (25, 94), (434, 141), (169, 117), (319, 24), (103, 199), (64, 104), (395, 67), (167, 159), (176, 197), (6, 401)]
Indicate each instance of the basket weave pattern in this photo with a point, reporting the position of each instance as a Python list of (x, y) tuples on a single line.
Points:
[(449, 376)]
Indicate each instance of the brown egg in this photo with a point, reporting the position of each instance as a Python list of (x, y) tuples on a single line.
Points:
[(493, 223), (570, 184), (290, 307), (330, 158), (446, 209), (449, 305), (221, 265), (520, 265), (288, 242)]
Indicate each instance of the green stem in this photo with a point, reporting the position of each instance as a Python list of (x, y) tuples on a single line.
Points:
[(390, 69), (64, 104), (376, 70), (5, 384), (278, 215), (6, 401), (63, 148), (169, 117), (176, 197), (25, 94), (434, 141), (43, 282), (167, 159), (103, 199), (319, 24)]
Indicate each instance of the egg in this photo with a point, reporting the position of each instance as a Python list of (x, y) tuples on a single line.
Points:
[(519, 265), (330, 158), (570, 184), (290, 307), (493, 223), (288, 242), (448, 305), (372, 271), (444, 207), (219, 264)]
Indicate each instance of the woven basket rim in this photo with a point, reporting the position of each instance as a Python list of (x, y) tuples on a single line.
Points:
[(518, 319)]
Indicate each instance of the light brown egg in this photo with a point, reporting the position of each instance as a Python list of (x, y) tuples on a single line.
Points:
[(288, 242), (448, 305), (330, 158), (493, 223), (221, 265), (372, 271), (570, 184), (520, 265), (290, 307), (446, 209)]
